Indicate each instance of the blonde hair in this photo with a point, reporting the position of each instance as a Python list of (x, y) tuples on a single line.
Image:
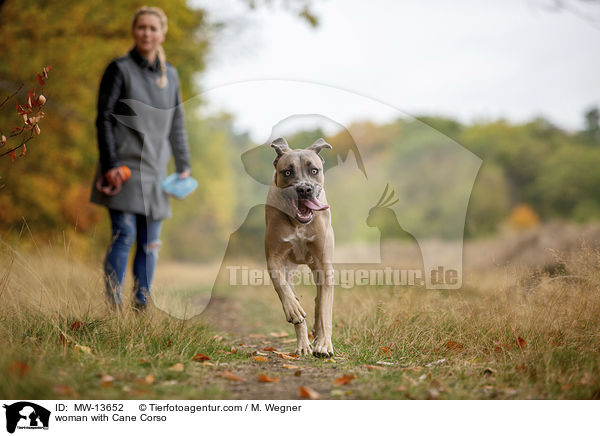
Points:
[(162, 59)]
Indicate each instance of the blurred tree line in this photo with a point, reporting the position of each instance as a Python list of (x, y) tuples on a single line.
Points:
[(552, 171), (535, 166), (531, 172), (48, 190)]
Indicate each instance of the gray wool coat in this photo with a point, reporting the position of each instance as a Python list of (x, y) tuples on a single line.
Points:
[(141, 126)]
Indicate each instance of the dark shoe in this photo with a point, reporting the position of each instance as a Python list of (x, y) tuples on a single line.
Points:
[(139, 307)]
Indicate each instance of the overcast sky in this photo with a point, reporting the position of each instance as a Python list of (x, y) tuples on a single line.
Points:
[(469, 59)]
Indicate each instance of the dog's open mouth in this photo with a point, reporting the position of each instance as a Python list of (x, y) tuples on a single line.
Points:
[(304, 207)]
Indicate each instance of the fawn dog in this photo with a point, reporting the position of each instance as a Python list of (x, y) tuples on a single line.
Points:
[(298, 231)]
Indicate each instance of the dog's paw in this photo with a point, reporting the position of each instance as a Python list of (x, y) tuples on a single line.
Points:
[(304, 348), (322, 347), (293, 311)]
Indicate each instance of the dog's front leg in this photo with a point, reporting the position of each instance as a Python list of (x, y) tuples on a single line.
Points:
[(303, 346), (323, 275), (282, 282), (291, 306)]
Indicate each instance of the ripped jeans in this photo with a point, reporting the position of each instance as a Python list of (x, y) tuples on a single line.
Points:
[(126, 228)]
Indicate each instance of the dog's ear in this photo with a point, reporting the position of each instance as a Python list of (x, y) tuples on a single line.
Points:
[(319, 145), (281, 146)]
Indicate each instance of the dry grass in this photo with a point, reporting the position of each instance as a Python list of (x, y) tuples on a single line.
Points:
[(513, 331)]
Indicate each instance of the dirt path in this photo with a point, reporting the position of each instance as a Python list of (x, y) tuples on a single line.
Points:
[(272, 355)]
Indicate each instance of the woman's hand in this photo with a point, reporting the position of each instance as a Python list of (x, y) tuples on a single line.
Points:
[(184, 174), (110, 183), (114, 177)]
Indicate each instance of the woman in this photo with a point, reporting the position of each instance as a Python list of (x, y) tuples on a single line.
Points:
[(134, 157)]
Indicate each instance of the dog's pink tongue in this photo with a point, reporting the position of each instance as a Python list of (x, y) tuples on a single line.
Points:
[(314, 204)]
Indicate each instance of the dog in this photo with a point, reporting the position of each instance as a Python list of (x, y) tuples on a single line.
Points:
[(299, 231)]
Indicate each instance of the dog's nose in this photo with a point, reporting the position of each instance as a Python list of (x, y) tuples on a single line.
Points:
[(304, 191)]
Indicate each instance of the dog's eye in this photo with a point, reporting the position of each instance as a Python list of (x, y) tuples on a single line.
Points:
[(287, 173), (314, 171)]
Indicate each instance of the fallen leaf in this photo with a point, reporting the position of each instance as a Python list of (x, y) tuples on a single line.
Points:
[(454, 346), (287, 356), (230, 376), (207, 363), (82, 349), (289, 341), (76, 325), (178, 367), (374, 367), (64, 390), (386, 350), (260, 358), (254, 335), (19, 368), (306, 392), (200, 357), (149, 379), (168, 343), (233, 350), (269, 349), (433, 394), (266, 379), (519, 342), (298, 373), (347, 378), (521, 368), (218, 338), (107, 380), (279, 334), (288, 366)]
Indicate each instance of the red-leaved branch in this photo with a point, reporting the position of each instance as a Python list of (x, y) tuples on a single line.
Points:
[(32, 113)]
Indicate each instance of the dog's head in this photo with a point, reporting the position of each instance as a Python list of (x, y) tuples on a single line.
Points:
[(299, 176)]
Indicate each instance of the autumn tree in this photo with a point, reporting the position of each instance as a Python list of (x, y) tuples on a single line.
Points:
[(51, 187)]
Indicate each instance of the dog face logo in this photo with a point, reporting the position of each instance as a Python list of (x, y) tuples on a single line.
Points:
[(299, 177), (26, 415)]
